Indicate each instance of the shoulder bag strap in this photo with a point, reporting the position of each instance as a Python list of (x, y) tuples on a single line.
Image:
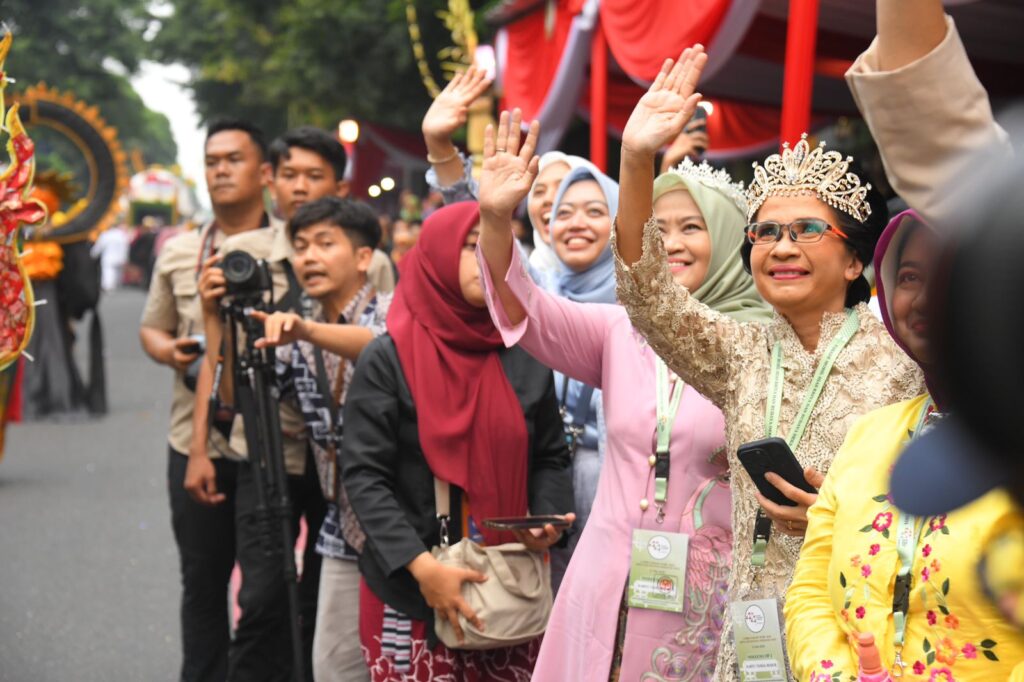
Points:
[(443, 505)]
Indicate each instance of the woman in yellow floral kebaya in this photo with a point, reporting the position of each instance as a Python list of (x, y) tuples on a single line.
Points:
[(865, 566)]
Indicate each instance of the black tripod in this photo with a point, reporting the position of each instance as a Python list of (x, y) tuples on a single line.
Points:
[(257, 398)]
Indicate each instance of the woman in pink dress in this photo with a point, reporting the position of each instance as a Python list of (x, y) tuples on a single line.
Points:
[(592, 634)]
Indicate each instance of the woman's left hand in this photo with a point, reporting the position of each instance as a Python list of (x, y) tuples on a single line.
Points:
[(541, 539), (791, 521)]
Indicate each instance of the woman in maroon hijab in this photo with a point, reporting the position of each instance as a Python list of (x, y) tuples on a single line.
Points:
[(440, 395)]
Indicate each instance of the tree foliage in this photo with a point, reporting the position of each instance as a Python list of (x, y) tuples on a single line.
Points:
[(90, 49), (282, 64)]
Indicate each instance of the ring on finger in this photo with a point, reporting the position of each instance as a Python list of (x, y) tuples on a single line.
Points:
[(789, 524), (500, 150)]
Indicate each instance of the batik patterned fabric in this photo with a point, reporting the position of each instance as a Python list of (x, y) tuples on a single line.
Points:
[(340, 536), (396, 650)]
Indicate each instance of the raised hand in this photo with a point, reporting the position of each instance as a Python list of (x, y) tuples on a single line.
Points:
[(661, 113), (451, 106), (509, 170)]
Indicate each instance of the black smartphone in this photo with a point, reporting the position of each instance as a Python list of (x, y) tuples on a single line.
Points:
[(699, 121), (525, 522), (197, 345), (773, 454)]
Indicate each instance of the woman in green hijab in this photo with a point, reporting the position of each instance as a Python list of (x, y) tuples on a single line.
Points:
[(679, 490), (699, 212)]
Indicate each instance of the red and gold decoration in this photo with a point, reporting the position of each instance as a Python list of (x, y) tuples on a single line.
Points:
[(17, 207), (87, 170)]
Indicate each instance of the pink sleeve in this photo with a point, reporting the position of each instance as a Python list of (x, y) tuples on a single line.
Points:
[(566, 336)]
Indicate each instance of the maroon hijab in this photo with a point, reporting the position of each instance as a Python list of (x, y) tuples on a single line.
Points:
[(471, 425)]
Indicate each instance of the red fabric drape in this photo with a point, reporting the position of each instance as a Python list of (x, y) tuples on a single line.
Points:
[(641, 35), (533, 56), (734, 127)]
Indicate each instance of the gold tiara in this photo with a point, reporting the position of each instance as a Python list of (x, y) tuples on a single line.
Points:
[(801, 171), (718, 180)]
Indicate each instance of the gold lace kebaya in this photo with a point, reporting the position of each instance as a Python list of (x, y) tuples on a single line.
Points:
[(729, 362)]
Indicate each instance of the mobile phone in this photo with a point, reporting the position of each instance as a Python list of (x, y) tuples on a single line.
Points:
[(524, 522), (773, 454), (699, 121), (197, 345)]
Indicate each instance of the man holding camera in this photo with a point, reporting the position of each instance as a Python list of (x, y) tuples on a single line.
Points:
[(171, 333), (307, 164)]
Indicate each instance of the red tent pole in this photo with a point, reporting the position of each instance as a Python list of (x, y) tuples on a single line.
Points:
[(798, 83), (599, 99)]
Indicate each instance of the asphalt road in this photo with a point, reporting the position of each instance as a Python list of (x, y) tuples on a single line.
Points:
[(89, 582)]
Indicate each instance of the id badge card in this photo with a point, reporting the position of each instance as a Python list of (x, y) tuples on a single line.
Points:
[(758, 637), (657, 572)]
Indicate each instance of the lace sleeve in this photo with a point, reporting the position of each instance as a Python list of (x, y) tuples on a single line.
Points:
[(704, 347)]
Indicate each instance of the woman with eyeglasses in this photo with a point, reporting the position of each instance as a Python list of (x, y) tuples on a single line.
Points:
[(805, 376), (868, 567)]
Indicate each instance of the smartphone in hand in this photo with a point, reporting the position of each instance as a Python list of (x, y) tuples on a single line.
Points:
[(773, 454)]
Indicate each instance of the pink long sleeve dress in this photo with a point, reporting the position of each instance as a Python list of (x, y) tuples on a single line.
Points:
[(596, 344)]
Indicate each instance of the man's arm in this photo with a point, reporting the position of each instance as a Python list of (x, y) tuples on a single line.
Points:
[(164, 348), (346, 340), (200, 475)]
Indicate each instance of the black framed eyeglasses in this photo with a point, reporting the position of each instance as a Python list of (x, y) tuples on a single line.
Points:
[(801, 231)]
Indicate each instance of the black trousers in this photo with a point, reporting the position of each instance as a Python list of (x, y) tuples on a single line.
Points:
[(261, 650), (206, 545)]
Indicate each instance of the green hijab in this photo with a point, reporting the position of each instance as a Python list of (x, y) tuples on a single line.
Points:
[(726, 288)]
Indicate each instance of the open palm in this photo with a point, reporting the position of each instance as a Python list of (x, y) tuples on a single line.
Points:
[(508, 170), (451, 106), (661, 113)]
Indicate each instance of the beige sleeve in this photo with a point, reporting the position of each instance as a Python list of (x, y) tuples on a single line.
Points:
[(930, 118), (160, 311), (381, 274), (704, 347)]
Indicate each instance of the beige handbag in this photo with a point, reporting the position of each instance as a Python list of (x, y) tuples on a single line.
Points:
[(514, 602)]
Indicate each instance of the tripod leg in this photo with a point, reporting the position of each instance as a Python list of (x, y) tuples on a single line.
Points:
[(269, 424)]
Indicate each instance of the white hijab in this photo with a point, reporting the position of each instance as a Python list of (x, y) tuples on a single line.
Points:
[(543, 259)]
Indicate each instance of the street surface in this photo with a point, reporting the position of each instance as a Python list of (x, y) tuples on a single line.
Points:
[(89, 582)]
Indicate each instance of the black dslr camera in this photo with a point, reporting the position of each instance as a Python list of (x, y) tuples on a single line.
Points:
[(246, 277)]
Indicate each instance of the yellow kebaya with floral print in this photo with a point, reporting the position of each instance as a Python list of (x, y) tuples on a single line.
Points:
[(847, 573)]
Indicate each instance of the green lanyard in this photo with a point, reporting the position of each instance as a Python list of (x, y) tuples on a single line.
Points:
[(908, 537), (762, 526), (821, 372), (669, 398)]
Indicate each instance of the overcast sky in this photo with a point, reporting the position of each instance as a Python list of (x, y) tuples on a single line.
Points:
[(159, 85)]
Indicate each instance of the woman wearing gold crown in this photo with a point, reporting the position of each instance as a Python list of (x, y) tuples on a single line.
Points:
[(805, 376)]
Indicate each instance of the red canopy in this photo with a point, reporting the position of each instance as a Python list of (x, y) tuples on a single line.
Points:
[(543, 42)]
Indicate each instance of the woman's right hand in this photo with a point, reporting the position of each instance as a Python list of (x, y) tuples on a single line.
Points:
[(508, 171), (441, 586), (450, 108), (662, 112)]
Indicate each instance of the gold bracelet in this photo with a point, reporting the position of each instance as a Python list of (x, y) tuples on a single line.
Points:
[(437, 162)]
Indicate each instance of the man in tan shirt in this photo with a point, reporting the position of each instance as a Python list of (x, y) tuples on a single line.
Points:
[(307, 164), (171, 330)]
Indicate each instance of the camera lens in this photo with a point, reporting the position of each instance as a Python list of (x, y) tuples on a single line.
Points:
[(239, 267)]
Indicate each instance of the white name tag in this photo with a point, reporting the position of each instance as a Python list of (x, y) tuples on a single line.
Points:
[(657, 574), (758, 637)]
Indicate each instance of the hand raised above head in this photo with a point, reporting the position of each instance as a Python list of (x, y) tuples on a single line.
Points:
[(661, 114), (509, 170), (451, 106)]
